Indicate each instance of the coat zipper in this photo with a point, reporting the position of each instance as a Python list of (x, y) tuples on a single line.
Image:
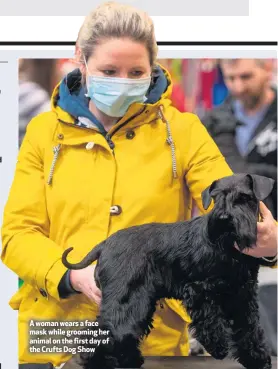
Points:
[(108, 136), (128, 120), (110, 142)]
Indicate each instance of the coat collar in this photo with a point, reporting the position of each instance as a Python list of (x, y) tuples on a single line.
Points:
[(71, 131)]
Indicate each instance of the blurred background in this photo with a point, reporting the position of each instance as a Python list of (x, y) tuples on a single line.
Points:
[(198, 83), (198, 87)]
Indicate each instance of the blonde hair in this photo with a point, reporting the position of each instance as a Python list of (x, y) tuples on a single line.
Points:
[(114, 20)]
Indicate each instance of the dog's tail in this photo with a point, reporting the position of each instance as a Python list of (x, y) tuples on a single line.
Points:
[(92, 256)]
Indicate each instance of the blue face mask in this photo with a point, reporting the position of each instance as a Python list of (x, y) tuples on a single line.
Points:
[(113, 95)]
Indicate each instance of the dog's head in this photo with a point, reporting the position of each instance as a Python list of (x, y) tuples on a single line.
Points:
[(236, 206)]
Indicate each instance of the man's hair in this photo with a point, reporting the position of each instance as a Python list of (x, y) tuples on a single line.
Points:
[(259, 62)]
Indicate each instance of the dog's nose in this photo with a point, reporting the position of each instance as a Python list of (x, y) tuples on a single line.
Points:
[(223, 216)]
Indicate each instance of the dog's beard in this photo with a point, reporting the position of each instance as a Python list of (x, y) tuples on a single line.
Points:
[(219, 228), (237, 226), (245, 229)]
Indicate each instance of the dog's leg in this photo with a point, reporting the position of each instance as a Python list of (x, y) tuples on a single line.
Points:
[(127, 323), (131, 324), (103, 356), (128, 353), (209, 325), (249, 344)]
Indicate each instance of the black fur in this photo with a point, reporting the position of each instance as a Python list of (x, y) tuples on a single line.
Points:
[(194, 261)]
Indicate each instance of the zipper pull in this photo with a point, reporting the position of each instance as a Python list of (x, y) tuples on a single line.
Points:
[(110, 142)]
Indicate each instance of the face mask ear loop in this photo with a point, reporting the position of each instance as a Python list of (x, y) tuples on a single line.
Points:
[(86, 94), (85, 63)]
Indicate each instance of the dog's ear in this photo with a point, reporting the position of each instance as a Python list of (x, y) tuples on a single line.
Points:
[(262, 186), (206, 198)]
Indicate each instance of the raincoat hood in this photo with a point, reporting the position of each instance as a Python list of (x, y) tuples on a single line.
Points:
[(69, 99)]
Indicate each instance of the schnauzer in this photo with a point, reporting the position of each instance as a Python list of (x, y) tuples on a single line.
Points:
[(193, 261)]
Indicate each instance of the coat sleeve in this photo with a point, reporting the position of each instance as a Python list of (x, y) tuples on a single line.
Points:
[(204, 162), (26, 247)]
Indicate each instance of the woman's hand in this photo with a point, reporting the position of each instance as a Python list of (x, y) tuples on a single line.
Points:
[(266, 245), (83, 281)]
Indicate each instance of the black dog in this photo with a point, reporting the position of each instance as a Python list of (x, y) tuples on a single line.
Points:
[(194, 261)]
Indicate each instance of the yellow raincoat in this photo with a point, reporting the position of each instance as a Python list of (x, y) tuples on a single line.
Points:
[(68, 178)]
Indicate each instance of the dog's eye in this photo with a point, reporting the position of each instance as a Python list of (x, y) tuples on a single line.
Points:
[(244, 197)]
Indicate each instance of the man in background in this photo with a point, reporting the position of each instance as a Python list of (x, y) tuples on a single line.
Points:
[(245, 129), (245, 126)]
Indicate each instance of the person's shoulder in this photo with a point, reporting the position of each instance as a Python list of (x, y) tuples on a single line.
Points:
[(43, 123), (41, 129), (179, 118), (182, 122), (186, 128)]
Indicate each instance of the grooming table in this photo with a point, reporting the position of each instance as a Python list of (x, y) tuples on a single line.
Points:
[(190, 362)]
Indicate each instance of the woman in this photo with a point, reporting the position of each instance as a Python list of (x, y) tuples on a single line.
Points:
[(112, 153)]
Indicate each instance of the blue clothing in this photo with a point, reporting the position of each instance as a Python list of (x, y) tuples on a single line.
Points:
[(244, 131)]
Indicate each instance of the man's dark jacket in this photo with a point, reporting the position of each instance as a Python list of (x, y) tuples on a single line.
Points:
[(261, 157)]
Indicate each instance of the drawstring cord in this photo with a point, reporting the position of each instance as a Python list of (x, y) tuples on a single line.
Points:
[(56, 151), (169, 140)]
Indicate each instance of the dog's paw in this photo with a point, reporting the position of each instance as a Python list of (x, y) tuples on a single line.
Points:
[(111, 363), (134, 362), (257, 363), (107, 362), (219, 353), (266, 365)]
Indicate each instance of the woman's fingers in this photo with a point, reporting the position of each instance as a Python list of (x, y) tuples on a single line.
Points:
[(83, 280)]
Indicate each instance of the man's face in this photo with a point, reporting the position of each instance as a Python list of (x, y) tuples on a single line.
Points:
[(247, 80)]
